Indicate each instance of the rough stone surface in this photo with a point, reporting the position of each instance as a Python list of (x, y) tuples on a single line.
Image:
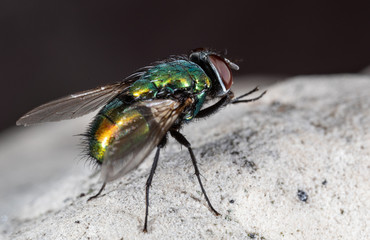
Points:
[(294, 165)]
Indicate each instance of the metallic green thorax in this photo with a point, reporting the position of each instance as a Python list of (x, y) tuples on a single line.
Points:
[(118, 119), (171, 76)]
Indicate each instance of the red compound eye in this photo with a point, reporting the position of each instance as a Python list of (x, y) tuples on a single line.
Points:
[(223, 70)]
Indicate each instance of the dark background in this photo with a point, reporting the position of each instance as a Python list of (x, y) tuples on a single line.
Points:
[(52, 48)]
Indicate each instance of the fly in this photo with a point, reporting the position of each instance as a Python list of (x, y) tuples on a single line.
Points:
[(137, 115)]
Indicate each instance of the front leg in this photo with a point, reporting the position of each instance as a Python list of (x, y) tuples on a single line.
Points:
[(215, 107), (237, 100), (225, 100)]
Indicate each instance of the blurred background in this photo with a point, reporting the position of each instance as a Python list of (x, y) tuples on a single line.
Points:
[(49, 49)]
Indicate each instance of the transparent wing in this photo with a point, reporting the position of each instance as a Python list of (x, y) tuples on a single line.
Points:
[(128, 150), (74, 105)]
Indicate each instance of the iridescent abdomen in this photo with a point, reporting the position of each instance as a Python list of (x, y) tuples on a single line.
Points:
[(119, 118), (116, 120)]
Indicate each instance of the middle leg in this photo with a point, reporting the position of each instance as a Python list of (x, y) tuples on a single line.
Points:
[(183, 141)]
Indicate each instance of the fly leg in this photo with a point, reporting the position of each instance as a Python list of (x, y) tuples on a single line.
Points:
[(225, 100), (182, 140), (237, 100), (149, 181), (101, 189), (215, 107)]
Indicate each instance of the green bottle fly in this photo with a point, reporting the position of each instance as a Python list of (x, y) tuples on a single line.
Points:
[(117, 119), (137, 115)]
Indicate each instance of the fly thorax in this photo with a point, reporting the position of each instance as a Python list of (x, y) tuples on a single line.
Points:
[(194, 108)]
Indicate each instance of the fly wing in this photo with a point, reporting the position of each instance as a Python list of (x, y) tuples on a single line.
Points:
[(72, 106), (135, 142)]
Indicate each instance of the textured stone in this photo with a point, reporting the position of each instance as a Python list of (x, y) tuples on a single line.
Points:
[(294, 165)]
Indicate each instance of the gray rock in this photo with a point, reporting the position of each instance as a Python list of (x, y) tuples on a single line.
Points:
[(294, 165)]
